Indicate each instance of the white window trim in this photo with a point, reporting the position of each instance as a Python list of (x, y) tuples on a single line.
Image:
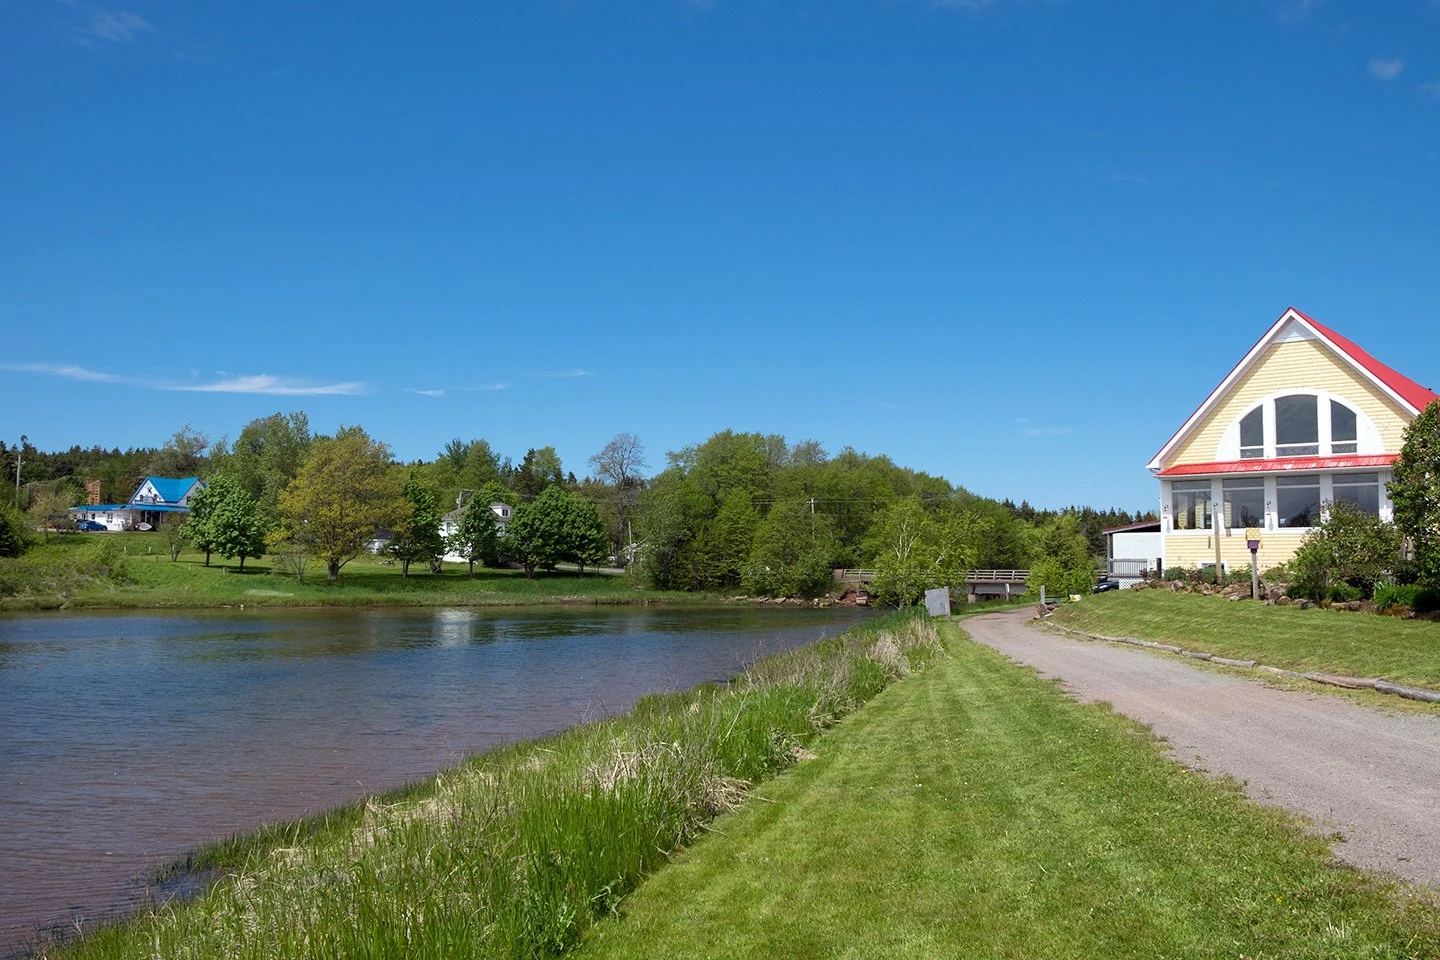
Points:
[(1367, 435)]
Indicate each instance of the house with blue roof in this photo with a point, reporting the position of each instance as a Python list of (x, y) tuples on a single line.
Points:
[(155, 499)]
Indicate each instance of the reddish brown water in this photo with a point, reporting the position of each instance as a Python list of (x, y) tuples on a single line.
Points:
[(126, 740)]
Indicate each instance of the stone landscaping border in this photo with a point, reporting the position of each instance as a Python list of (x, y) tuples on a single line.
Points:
[(1332, 680)]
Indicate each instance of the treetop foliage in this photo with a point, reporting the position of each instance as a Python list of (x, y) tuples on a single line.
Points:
[(737, 511)]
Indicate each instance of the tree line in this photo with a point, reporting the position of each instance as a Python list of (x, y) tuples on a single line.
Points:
[(740, 511)]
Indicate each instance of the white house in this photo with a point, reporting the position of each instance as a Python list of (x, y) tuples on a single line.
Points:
[(155, 499), (451, 521)]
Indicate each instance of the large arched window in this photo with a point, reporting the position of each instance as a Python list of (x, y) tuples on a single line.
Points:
[(1297, 425)]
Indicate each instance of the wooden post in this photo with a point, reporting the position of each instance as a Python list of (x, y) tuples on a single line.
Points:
[(1215, 517)]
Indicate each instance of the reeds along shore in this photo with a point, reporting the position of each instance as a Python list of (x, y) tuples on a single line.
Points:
[(515, 853)]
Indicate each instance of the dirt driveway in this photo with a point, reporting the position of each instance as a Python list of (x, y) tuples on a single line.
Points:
[(1370, 775)]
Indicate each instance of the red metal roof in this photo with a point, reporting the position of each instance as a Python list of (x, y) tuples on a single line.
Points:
[(1417, 396), (1280, 464)]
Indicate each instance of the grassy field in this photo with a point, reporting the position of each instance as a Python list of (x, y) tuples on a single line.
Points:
[(975, 811), (1354, 644), (137, 572), (516, 853)]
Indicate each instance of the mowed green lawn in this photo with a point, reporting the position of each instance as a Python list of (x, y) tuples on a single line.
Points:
[(1328, 641), (154, 580), (975, 811)]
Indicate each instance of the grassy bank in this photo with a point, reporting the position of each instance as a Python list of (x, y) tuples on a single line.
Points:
[(975, 811), (516, 853), (133, 570), (1354, 644)]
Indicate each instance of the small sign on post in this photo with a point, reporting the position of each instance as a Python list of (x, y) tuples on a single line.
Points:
[(1252, 541), (937, 602)]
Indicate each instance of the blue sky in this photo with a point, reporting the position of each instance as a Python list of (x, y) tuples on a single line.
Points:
[(1011, 242)]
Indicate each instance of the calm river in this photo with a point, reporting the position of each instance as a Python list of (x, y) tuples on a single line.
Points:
[(126, 740)]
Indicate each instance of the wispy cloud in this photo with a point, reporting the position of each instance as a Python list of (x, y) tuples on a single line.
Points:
[(266, 384), (488, 386), (426, 393), (888, 405), (1136, 178), (67, 370), (1431, 89), (1386, 69), (1297, 12), (1047, 431), (104, 27), (562, 374), (262, 383)]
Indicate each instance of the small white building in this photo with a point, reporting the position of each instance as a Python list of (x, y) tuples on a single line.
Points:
[(1134, 550)]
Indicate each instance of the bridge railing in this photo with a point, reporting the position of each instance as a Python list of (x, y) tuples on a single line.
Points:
[(862, 575), (997, 576)]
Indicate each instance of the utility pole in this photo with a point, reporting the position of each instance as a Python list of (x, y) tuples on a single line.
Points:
[(19, 459)]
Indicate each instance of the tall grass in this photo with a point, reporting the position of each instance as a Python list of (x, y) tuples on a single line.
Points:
[(515, 853)]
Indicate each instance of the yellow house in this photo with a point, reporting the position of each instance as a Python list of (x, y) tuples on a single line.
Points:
[(1304, 419)]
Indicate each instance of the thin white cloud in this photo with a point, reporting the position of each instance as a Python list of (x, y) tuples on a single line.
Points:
[(263, 383), (68, 370), (1136, 178), (426, 393), (488, 386), (1386, 69), (562, 374), (888, 405), (1431, 89), (112, 26), (266, 384), (1047, 431)]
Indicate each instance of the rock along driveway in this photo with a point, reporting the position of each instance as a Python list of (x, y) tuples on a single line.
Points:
[(1371, 775)]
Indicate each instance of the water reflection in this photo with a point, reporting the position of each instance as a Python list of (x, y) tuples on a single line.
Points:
[(127, 739)]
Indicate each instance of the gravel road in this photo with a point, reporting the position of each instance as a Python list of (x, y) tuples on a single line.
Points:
[(1370, 775)]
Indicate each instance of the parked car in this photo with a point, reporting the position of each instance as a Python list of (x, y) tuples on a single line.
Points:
[(1109, 583), (90, 525)]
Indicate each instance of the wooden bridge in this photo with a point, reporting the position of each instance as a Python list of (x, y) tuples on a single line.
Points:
[(978, 583)]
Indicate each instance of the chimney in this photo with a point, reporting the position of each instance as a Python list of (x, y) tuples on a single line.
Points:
[(92, 492)]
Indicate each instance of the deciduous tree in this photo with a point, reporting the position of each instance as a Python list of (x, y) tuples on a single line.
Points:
[(14, 534), (417, 534), (344, 493), (476, 537), (1415, 492), (621, 464), (916, 551), (266, 456), (234, 523), (583, 541), (182, 456), (534, 535), (793, 552)]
